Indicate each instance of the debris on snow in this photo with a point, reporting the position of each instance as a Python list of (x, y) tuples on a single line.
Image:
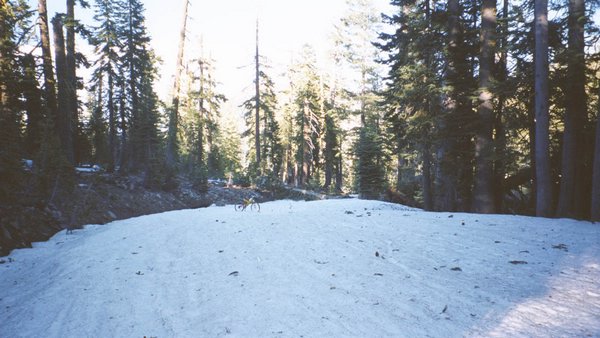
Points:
[(518, 262), (561, 247)]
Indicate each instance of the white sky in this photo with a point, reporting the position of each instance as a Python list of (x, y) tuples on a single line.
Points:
[(227, 28)]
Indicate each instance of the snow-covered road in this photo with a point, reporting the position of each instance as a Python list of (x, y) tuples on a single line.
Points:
[(308, 269)]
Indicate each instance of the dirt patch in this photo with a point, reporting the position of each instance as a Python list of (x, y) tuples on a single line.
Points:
[(99, 198)]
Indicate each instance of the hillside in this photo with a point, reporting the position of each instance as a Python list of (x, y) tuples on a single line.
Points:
[(102, 197), (325, 268)]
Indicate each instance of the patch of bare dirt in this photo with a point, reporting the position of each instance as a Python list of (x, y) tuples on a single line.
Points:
[(99, 198)]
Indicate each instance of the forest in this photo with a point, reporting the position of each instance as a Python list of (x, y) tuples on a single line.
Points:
[(460, 105)]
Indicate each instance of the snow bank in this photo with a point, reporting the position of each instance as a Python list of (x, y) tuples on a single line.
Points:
[(324, 268)]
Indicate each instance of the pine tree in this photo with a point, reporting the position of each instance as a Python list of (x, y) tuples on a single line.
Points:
[(307, 117), (202, 124), (358, 29), (414, 89), (573, 175), (97, 126), (456, 122), (10, 167), (139, 74), (106, 70), (270, 147), (172, 149)]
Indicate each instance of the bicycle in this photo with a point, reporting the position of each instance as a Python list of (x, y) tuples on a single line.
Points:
[(248, 202)]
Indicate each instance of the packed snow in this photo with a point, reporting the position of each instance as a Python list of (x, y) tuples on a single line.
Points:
[(308, 269)]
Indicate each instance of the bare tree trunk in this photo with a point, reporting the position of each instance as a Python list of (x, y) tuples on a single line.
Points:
[(303, 163), (427, 193), (542, 139), (210, 123), (330, 138), (339, 174), (595, 206), (123, 153), (112, 124), (571, 199), (257, 104), (426, 144), (201, 117), (171, 151), (33, 107), (499, 131), (446, 177), (49, 81), (64, 120), (71, 72), (483, 194)]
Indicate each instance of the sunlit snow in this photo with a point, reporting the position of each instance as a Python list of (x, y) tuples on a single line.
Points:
[(328, 268)]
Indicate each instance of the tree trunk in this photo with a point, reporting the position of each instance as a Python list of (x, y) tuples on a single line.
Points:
[(330, 138), (171, 151), (99, 138), (65, 127), (124, 146), (446, 169), (112, 124), (595, 206), (339, 173), (210, 130), (49, 81), (542, 139), (483, 194), (571, 199), (427, 193), (499, 131), (201, 117), (257, 104), (72, 72), (33, 107)]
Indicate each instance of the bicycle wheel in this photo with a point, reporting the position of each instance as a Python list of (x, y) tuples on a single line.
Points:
[(238, 207), (255, 206)]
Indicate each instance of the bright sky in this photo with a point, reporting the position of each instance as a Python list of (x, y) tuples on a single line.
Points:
[(227, 28)]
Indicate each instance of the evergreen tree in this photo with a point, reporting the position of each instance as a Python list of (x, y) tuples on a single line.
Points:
[(10, 167), (307, 119), (573, 175), (359, 27), (455, 124), (270, 146), (199, 123), (413, 90), (140, 72), (106, 73), (172, 148)]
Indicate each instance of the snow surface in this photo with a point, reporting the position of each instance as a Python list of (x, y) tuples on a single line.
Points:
[(308, 269)]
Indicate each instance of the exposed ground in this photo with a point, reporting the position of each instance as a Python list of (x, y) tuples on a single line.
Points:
[(100, 198)]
